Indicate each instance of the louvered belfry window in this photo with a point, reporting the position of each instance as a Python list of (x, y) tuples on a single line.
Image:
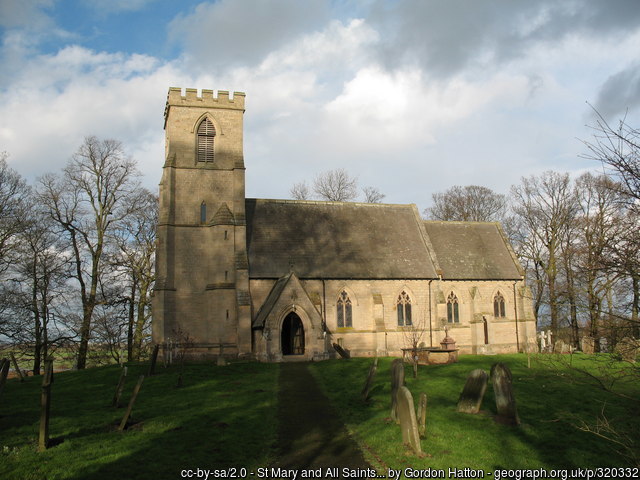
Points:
[(206, 134)]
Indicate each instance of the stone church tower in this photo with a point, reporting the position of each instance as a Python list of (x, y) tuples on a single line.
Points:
[(202, 268)]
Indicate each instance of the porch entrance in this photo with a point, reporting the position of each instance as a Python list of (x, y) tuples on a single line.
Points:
[(292, 339)]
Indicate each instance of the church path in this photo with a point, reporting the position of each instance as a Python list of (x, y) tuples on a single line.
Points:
[(310, 432)]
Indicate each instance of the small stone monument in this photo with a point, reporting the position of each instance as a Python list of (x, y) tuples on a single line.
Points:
[(473, 392), (588, 345), (627, 348), (408, 422), (341, 351), (367, 385), (604, 345), (559, 347), (397, 381), (549, 341), (543, 341), (503, 392)]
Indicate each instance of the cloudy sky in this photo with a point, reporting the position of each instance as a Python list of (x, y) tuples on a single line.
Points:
[(412, 97)]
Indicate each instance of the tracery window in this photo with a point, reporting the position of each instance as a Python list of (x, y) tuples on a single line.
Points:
[(344, 310), (498, 306), (404, 309), (453, 311), (206, 134)]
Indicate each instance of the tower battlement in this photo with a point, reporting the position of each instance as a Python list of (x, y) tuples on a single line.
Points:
[(206, 99)]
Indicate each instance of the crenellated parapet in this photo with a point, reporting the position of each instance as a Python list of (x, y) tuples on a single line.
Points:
[(206, 99)]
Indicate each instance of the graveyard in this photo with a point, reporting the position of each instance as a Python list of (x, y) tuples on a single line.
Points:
[(231, 416)]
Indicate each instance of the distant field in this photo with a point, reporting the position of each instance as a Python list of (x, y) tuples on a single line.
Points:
[(225, 417)]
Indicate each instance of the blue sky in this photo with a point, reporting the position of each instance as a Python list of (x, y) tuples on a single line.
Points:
[(412, 97)]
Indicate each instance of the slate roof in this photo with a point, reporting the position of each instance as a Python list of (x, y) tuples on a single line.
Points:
[(472, 251), (336, 240)]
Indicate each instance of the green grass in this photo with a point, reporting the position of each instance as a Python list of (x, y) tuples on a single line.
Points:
[(222, 416), (551, 399), (226, 416)]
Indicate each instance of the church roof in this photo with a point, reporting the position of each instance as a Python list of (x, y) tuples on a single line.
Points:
[(336, 240), (472, 251)]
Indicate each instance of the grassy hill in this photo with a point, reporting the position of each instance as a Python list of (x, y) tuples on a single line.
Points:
[(226, 417)]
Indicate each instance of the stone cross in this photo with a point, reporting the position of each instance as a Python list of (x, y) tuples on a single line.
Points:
[(397, 381), (543, 339), (549, 341), (408, 422), (503, 392), (473, 392)]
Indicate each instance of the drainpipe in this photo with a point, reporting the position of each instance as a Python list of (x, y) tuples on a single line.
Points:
[(515, 311), (430, 308)]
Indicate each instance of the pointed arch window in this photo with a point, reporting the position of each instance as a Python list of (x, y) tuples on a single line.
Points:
[(345, 316), (453, 311), (498, 306), (206, 135), (404, 309)]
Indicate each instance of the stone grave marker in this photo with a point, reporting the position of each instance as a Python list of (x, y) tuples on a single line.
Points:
[(408, 422), (4, 373), (397, 381), (367, 385), (588, 345), (127, 414), (503, 392), (17, 367), (627, 348), (116, 396), (473, 392), (422, 415), (559, 346), (341, 351), (154, 359), (45, 406)]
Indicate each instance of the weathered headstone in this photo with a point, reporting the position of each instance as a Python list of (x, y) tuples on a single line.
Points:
[(4, 373), (119, 388), (422, 415), (154, 359), (473, 392), (341, 351), (503, 392), (45, 406), (127, 414), (407, 417), (558, 347), (17, 367), (397, 381), (627, 348), (604, 345), (588, 345), (366, 389)]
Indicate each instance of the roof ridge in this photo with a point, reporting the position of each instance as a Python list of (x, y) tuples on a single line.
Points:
[(326, 202)]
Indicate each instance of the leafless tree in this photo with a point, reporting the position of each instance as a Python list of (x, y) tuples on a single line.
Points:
[(547, 206), (96, 191), (470, 203), (335, 186), (14, 194), (300, 191), (372, 195)]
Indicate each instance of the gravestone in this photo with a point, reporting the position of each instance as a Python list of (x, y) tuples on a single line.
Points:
[(422, 415), (341, 351), (367, 385), (4, 373), (543, 341), (627, 348), (604, 345), (407, 417), (473, 392), (154, 359), (127, 414), (397, 381), (588, 345), (558, 347), (45, 406), (116, 396), (17, 367), (503, 392), (549, 341)]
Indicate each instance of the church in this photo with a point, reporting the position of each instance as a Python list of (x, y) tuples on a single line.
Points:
[(278, 280)]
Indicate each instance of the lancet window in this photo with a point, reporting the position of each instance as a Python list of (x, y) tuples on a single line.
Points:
[(498, 306), (206, 135), (453, 310), (344, 310), (404, 309)]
